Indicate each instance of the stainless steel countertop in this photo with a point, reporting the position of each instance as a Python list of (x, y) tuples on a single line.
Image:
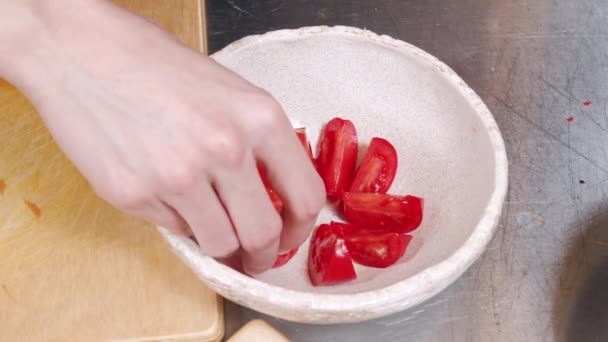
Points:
[(534, 62)]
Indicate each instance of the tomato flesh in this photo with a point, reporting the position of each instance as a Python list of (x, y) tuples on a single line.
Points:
[(329, 262), (376, 249), (282, 259), (375, 235), (341, 229), (274, 197), (399, 214), (372, 248), (337, 156), (378, 168)]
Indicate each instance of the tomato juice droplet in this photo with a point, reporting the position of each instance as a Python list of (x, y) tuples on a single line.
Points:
[(33, 207)]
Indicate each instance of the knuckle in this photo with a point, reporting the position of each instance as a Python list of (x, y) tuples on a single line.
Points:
[(309, 207), (227, 147), (267, 237), (128, 198), (178, 177), (121, 189), (269, 113)]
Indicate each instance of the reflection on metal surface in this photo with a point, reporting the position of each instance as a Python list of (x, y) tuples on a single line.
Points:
[(581, 304)]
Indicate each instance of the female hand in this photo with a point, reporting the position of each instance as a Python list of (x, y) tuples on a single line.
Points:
[(163, 132)]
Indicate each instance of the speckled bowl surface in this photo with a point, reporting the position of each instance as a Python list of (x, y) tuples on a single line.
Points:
[(450, 152)]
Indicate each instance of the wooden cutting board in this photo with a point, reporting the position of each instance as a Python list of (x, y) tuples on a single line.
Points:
[(71, 267)]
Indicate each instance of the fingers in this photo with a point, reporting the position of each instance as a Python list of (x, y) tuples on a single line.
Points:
[(164, 216), (256, 221), (133, 197), (292, 175), (202, 210)]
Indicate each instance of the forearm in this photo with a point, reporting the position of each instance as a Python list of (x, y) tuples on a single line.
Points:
[(38, 36), (43, 43)]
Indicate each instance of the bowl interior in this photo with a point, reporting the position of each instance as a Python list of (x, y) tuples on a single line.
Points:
[(445, 151)]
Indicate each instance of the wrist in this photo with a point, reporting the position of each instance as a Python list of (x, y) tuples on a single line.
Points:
[(33, 33), (19, 31)]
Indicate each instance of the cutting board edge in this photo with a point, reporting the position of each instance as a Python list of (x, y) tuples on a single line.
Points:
[(214, 333)]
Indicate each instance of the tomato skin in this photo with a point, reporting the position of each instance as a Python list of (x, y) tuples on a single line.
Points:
[(329, 261), (341, 229), (399, 214), (376, 249), (301, 133), (282, 259), (274, 197), (372, 247), (378, 168), (337, 157)]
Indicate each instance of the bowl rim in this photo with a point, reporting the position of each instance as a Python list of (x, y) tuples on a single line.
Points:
[(404, 293)]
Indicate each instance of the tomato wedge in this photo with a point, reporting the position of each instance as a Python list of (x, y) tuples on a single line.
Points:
[(301, 133), (399, 214), (341, 229), (337, 156), (378, 168), (373, 248), (276, 200), (274, 197), (282, 259), (376, 249), (329, 261)]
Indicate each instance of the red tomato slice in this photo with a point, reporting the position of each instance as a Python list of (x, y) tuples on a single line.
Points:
[(301, 133), (276, 200), (329, 262), (378, 168), (382, 211), (337, 156), (263, 176), (376, 249), (373, 248), (274, 197), (282, 259), (341, 229)]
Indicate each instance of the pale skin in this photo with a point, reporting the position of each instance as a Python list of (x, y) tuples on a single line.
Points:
[(161, 131)]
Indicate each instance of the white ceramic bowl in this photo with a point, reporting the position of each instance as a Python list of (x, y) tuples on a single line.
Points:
[(450, 152)]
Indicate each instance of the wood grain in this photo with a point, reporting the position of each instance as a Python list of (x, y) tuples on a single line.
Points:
[(71, 266), (185, 18), (257, 331)]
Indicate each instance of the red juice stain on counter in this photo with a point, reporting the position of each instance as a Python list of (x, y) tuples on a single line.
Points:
[(570, 119), (587, 103), (33, 207)]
